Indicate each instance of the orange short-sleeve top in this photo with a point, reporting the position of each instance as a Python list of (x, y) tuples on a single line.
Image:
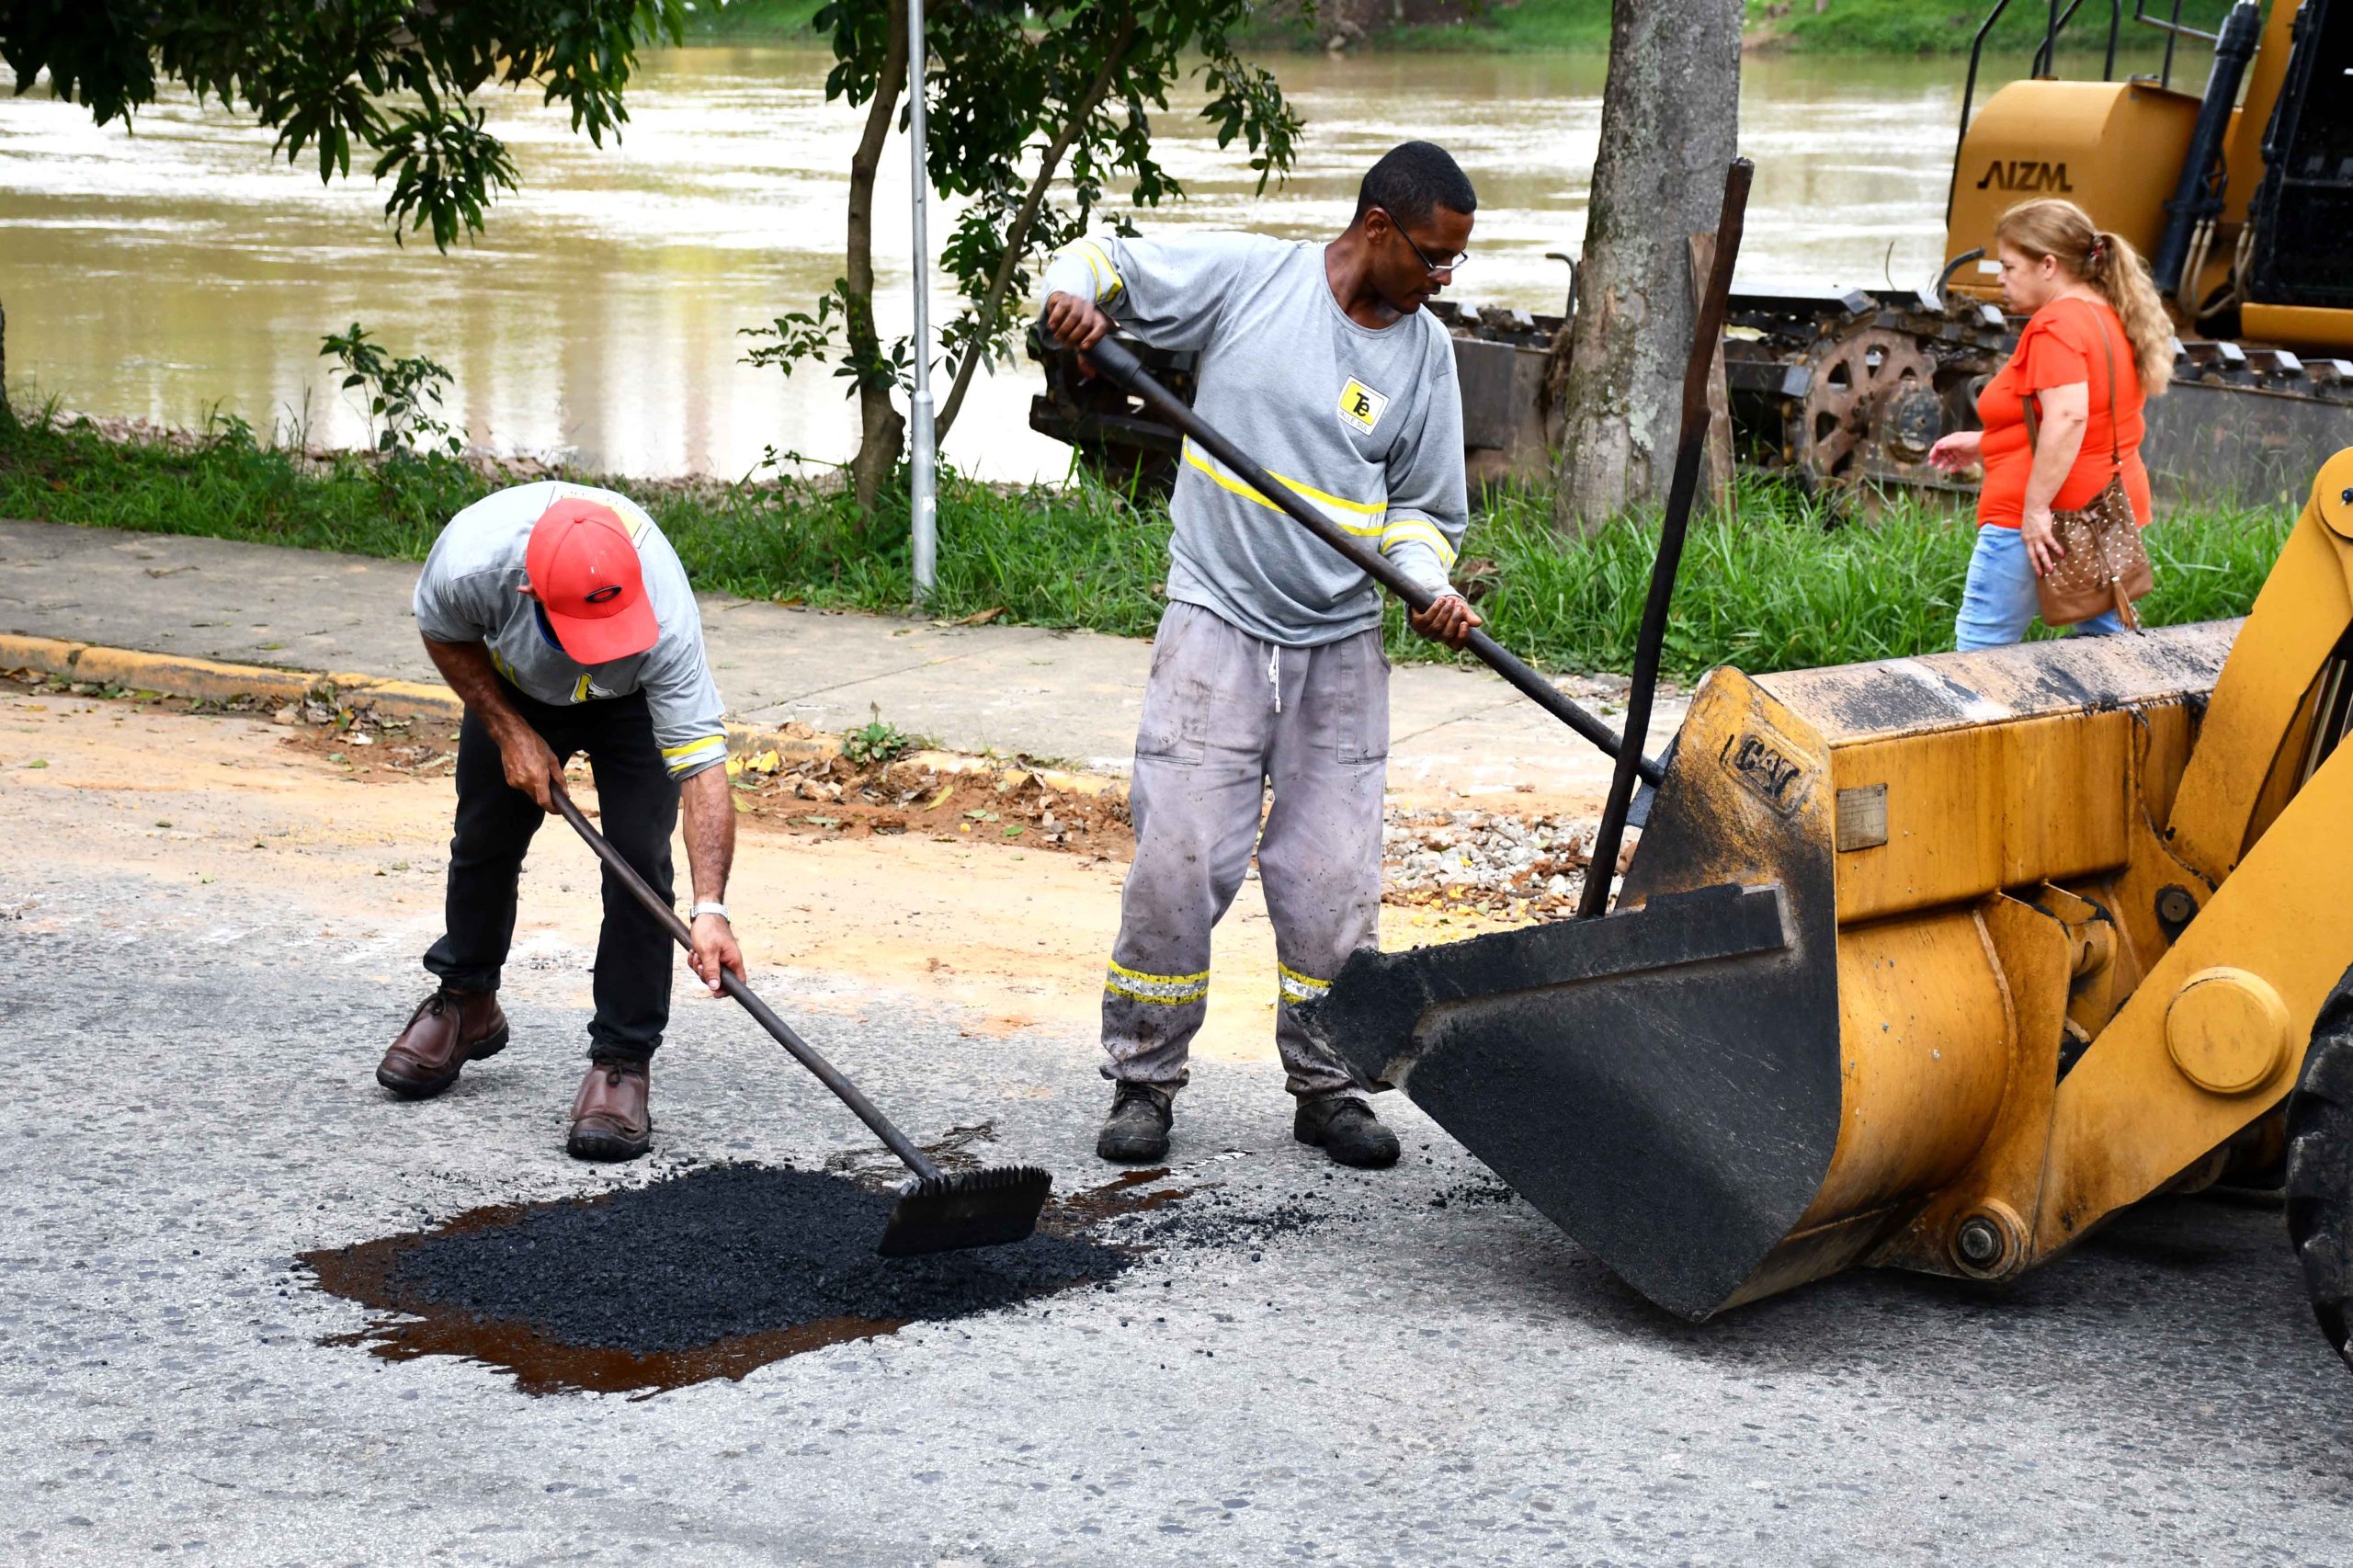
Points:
[(2061, 346)]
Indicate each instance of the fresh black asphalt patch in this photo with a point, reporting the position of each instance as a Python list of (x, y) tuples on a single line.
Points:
[(725, 1268), (708, 1274)]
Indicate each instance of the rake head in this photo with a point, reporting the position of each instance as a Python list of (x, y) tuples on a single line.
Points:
[(968, 1209)]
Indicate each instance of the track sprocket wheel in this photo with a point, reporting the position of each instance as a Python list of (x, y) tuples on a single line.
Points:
[(1858, 381), (2320, 1168)]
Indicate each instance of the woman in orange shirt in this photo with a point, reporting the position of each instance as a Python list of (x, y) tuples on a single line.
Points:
[(2095, 346)]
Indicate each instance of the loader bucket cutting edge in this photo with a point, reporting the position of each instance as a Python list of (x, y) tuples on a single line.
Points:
[(1802, 1025)]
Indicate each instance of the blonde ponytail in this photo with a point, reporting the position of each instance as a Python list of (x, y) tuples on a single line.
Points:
[(2048, 226)]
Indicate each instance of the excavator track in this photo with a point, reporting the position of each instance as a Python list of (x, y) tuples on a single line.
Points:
[(1837, 391)]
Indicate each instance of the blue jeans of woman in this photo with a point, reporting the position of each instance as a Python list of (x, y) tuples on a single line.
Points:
[(2000, 602)]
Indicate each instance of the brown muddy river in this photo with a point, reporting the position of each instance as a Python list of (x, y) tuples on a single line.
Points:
[(164, 273)]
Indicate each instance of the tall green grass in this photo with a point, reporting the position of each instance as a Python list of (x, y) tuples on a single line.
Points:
[(1784, 584), (1838, 27)]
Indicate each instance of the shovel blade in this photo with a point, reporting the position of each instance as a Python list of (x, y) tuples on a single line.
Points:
[(967, 1209)]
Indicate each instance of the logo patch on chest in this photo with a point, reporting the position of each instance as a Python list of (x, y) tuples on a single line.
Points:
[(1360, 406)]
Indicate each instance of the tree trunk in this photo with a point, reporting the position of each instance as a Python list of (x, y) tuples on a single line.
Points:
[(7, 409), (1017, 237), (881, 429), (1670, 120)]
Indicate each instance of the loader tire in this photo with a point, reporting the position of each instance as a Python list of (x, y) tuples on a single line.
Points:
[(2320, 1168)]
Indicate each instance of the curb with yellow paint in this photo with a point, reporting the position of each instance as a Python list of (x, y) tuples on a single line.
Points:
[(175, 675)]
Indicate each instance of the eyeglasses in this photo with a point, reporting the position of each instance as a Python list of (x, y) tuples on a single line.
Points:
[(1453, 264)]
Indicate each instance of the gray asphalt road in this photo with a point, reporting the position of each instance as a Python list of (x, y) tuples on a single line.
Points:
[(188, 1105)]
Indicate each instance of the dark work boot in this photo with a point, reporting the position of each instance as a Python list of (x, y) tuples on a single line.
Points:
[(609, 1118), (449, 1030), (1136, 1133), (1344, 1128)]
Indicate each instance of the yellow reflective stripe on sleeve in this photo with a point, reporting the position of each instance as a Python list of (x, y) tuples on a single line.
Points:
[(1298, 987), (1404, 528), (1341, 513), (1098, 261), (694, 752), (1168, 990)]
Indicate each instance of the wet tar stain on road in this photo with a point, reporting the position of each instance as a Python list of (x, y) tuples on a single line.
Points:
[(706, 1275)]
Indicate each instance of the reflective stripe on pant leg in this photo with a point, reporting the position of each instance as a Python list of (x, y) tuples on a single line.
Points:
[(1168, 990), (1292, 987), (1319, 859)]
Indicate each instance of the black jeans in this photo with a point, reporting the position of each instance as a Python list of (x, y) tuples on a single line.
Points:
[(637, 806)]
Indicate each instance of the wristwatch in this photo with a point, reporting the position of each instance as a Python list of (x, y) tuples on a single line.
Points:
[(707, 907)]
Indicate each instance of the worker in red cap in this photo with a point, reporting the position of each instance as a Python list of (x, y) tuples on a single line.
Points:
[(562, 618)]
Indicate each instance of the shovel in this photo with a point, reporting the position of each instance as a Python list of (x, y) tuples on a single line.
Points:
[(937, 1210)]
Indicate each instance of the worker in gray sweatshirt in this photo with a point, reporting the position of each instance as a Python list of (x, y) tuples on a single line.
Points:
[(1268, 669)]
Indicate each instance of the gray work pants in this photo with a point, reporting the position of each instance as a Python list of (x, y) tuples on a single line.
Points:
[(1224, 715)]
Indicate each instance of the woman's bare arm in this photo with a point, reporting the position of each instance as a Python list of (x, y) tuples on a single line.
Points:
[(2066, 412)]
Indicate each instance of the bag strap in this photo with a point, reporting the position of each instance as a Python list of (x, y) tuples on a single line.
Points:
[(2108, 355)]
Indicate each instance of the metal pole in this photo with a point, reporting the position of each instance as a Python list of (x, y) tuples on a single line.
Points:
[(920, 441)]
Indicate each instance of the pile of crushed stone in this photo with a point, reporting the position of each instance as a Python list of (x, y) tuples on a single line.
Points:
[(1492, 860), (720, 1251)]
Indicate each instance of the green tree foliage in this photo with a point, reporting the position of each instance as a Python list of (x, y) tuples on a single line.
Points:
[(396, 80), (1034, 115)]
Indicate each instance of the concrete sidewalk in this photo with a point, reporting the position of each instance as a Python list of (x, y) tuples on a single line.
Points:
[(1072, 698)]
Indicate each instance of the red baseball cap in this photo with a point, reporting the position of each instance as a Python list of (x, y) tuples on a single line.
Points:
[(587, 578)]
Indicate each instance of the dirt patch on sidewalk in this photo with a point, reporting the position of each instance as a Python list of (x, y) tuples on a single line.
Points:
[(827, 798), (1009, 806)]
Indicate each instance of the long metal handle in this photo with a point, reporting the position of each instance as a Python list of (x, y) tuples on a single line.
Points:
[(1114, 359), (1707, 336), (802, 1051)]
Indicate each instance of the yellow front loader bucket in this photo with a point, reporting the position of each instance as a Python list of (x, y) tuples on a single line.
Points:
[(1931, 962)]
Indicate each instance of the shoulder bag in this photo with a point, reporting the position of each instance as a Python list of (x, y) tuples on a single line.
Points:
[(2102, 563)]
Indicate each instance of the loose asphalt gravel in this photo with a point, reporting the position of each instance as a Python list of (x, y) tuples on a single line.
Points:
[(1300, 1363), (716, 1252)]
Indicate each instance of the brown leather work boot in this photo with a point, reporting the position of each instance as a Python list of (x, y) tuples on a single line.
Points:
[(449, 1030), (609, 1119)]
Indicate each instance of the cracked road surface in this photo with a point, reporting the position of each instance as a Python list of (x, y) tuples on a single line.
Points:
[(1419, 1373)]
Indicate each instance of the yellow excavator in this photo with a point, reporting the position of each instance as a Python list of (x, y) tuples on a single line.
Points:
[(1937, 964), (2240, 195)]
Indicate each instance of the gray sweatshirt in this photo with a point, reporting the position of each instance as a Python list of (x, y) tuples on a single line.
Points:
[(1366, 426), (467, 594)]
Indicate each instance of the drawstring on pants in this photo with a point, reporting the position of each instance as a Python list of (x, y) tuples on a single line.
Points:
[(1275, 673)]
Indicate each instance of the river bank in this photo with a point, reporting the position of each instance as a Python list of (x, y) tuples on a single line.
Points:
[(1511, 27), (1782, 584)]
